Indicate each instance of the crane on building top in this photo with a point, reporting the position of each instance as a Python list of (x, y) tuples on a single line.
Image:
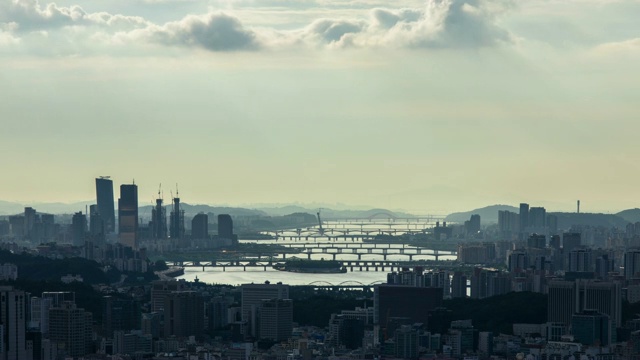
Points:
[(320, 229)]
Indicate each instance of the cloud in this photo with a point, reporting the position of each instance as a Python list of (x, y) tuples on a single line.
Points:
[(213, 31), (385, 18), (618, 49), (29, 15), (442, 24), (438, 24), (6, 38), (331, 31)]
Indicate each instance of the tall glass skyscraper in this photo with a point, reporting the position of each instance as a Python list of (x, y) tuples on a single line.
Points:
[(128, 215), (104, 196)]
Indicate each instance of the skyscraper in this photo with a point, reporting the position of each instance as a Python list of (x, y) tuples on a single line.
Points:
[(276, 319), (632, 264), (13, 313), (183, 314), (96, 224), (128, 215), (176, 228), (78, 228), (569, 297), (225, 227), (524, 220), (158, 221), (537, 217), (104, 196), (200, 226), (570, 241), (70, 327), (252, 296)]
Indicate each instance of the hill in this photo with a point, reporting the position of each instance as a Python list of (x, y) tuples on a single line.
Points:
[(631, 215), (328, 213), (488, 214)]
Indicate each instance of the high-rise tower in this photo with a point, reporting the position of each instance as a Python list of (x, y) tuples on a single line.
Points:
[(104, 195), (524, 220), (159, 221), (177, 220), (128, 215)]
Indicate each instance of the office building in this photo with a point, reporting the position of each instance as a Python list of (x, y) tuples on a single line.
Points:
[(570, 241), (344, 331), (589, 327), (200, 226), (508, 224), (217, 312), (561, 301), (225, 227), (97, 227), (78, 229), (58, 297), (276, 319), (566, 298), (518, 261), (477, 253), (119, 314), (524, 220), (486, 283), (537, 217), (105, 200), (580, 260), (128, 215), (161, 288), (604, 265), (253, 294), (70, 328), (13, 321), (459, 285), (632, 264), (552, 224), (399, 301), (183, 314), (472, 226), (405, 341), (537, 241)]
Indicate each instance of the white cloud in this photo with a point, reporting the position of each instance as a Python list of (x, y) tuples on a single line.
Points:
[(29, 15), (213, 31)]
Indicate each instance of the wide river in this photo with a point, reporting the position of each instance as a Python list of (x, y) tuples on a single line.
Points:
[(236, 275)]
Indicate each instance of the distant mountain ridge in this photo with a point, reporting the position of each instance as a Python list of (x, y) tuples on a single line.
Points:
[(12, 208), (489, 215)]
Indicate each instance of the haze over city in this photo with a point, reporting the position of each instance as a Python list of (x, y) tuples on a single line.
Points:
[(423, 106)]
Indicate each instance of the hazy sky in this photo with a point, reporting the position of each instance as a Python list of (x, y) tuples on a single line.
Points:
[(426, 106)]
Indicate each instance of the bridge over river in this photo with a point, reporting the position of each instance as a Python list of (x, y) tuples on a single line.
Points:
[(365, 249), (264, 263), (361, 228)]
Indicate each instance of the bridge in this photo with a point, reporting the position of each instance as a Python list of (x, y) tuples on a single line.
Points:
[(345, 285), (362, 228), (362, 249), (265, 263)]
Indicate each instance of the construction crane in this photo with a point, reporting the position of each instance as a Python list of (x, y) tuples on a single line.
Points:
[(321, 229)]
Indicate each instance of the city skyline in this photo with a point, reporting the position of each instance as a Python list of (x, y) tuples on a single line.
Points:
[(435, 105)]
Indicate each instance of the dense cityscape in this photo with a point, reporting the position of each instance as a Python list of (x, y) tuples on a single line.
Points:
[(110, 283)]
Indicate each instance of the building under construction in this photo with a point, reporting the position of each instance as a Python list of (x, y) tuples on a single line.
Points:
[(176, 219), (158, 223)]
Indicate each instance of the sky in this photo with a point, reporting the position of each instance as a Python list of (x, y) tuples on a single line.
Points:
[(426, 106)]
